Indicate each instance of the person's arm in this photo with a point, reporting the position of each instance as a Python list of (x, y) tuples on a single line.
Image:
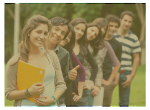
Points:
[(118, 54), (59, 79), (81, 70), (81, 76), (136, 49), (116, 79), (65, 69), (94, 67), (80, 91), (11, 91), (130, 77), (111, 55), (60, 85)]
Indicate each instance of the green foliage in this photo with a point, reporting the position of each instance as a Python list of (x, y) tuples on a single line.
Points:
[(67, 10), (87, 11), (9, 32)]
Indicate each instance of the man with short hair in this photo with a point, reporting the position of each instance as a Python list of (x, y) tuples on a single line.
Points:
[(108, 74), (130, 45), (59, 32)]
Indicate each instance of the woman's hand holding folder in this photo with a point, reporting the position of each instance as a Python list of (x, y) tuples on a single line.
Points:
[(36, 89)]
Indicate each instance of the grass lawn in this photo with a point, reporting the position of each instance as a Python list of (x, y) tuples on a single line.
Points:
[(137, 93)]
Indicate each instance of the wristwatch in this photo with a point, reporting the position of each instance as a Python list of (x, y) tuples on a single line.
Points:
[(27, 93)]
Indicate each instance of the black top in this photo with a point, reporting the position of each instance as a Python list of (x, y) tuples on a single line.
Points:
[(91, 61), (107, 64)]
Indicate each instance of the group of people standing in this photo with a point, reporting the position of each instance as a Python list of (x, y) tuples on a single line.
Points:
[(83, 61)]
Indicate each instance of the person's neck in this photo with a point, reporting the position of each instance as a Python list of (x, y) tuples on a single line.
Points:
[(76, 42), (50, 45), (108, 37), (122, 32), (34, 50)]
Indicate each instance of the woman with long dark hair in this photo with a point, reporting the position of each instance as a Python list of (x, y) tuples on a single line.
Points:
[(82, 52), (99, 49), (74, 92)]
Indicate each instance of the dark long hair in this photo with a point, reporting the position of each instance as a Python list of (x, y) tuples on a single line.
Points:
[(102, 22), (74, 22), (69, 47), (98, 41)]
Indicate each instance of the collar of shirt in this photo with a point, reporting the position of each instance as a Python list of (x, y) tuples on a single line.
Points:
[(56, 49), (128, 34)]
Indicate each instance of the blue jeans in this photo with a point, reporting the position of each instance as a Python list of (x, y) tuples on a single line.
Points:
[(123, 92), (86, 100)]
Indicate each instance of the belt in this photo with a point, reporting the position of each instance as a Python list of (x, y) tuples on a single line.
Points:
[(122, 71)]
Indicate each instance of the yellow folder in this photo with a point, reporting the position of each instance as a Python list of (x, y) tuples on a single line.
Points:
[(27, 75)]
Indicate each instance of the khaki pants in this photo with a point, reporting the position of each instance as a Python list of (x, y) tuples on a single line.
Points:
[(108, 90), (98, 100)]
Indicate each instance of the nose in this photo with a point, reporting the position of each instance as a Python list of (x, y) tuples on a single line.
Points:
[(92, 34), (58, 33), (79, 31), (127, 23), (42, 36), (113, 27)]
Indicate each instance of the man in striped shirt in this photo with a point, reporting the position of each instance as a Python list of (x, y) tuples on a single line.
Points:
[(130, 45)]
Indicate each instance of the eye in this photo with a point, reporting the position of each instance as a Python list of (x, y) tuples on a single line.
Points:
[(82, 30), (56, 28), (63, 33), (39, 32), (77, 28), (46, 33)]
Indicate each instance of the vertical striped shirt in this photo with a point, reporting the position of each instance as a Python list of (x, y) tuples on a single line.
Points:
[(130, 44)]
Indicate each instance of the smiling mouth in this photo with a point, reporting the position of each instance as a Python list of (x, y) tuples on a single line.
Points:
[(40, 41), (63, 42), (89, 36), (55, 38)]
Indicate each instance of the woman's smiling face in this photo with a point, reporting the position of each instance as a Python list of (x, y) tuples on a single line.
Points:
[(79, 30), (92, 33), (38, 35), (67, 40)]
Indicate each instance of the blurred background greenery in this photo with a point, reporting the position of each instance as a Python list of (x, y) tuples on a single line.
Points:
[(69, 11), (89, 12)]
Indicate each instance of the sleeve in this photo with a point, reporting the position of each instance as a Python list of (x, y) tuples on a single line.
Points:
[(93, 65), (81, 70), (11, 79), (119, 52), (59, 80), (136, 46), (65, 70), (111, 55)]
